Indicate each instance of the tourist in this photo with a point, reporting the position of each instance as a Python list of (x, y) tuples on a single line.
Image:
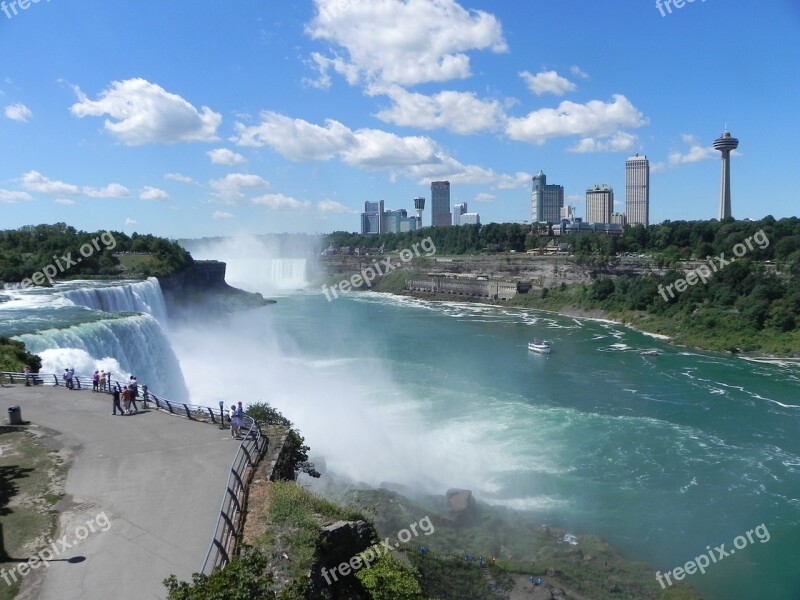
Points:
[(235, 424), (28, 376), (95, 381), (102, 381), (126, 400), (69, 375), (133, 387), (116, 404), (240, 415)]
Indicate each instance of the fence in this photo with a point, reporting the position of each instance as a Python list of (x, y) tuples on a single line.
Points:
[(252, 447)]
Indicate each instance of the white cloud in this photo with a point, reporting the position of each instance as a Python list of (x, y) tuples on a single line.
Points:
[(595, 118), (459, 112), (484, 197), (404, 42), (578, 72), (230, 188), (296, 139), (416, 157), (18, 112), (619, 142), (331, 206), (221, 215), (547, 82), (697, 152), (64, 201), (180, 178), (36, 182), (151, 193), (112, 190), (223, 156), (9, 196), (145, 113), (280, 202), (130, 222)]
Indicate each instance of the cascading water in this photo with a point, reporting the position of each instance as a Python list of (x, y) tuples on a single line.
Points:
[(98, 325), (141, 296)]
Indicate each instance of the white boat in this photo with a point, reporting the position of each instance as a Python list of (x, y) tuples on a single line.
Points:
[(541, 346)]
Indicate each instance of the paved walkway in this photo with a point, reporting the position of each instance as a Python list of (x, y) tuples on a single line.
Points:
[(158, 478)]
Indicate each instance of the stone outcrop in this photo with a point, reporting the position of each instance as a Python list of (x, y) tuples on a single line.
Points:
[(331, 575)]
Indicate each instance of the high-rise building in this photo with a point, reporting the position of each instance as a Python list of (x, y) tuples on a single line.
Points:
[(599, 204), (440, 204), (372, 218), (546, 200), (470, 219), (567, 213), (458, 210), (725, 143), (637, 190)]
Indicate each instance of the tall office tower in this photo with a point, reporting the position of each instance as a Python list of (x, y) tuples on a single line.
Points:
[(372, 218), (458, 210), (618, 218), (546, 200), (725, 143), (567, 213), (470, 219), (637, 190), (419, 206), (440, 204), (599, 204)]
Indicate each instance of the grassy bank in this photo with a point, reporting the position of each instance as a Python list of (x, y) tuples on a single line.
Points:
[(31, 482)]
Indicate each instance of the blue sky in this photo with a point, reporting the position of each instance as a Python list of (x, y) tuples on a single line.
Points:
[(197, 118)]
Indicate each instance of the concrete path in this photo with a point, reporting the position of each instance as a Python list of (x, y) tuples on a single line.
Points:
[(158, 478)]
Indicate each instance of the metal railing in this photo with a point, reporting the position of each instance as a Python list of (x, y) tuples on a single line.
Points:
[(230, 520)]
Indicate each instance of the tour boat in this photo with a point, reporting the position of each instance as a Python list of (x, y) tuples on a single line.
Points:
[(541, 346)]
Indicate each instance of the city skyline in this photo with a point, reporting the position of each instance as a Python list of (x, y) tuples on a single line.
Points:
[(286, 117)]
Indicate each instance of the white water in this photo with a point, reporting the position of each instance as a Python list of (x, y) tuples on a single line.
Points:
[(141, 296)]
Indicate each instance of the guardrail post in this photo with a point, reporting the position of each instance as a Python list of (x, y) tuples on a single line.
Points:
[(211, 412)]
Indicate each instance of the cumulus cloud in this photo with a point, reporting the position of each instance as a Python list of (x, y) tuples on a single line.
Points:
[(179, 178), (223, 156), (402, 42), (36, 182), (18, 112), (331, 206), (416, 157), (459, 112), (221, 215), (296, 139), (141, 112), (112, 190), (9, 196), (619, 142), (547, 82), (131, 222), (150, 194), (484, 197), (64, 201), (697, 152), (231, 187), (593, 119), (280, 202)]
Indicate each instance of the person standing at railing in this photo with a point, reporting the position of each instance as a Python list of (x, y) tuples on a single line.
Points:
[(28, 376), (240, 415), (102, 381), (95, 381)]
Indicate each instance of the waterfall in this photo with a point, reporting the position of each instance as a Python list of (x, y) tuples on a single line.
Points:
[(142, 296), (266, 275), (136, 343)]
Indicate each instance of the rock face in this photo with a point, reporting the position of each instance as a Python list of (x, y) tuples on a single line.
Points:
[(201, 288), (331, 573), (461, 504)]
